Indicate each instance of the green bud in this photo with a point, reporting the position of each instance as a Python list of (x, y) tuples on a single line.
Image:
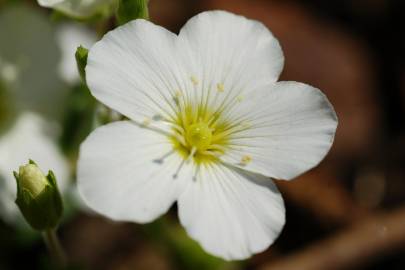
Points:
[(32, 179), (38, 197), (129, 10), (81, 61)]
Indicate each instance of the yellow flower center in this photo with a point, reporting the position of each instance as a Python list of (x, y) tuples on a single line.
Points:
[(201, 132), (199, 135)]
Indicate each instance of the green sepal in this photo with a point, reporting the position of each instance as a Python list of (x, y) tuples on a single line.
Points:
[(30, 161), (17, 179), (129, 10), (81, 61), (44, 211)]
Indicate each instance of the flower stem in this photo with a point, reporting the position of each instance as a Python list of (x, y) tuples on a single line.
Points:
[(54, 247)]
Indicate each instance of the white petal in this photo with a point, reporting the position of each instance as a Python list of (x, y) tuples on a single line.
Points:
[(231, 50), (49, 3), (232, 213), (135, 70), (76, 8), (27, 140), (126, 172), (289, 128)]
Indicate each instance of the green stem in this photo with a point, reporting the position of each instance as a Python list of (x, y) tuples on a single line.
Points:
[(54, 247)]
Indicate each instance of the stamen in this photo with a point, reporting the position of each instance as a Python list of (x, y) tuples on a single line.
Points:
[(200, 132), (180, 139), (246, 159), (179, 128), (149, 126), (187, 160), (176, 174), (210, 153), (232, 129), (162, 158), (178, 94), (194, 80), (146, 122), (196, 172), (217, 147), (192, 153), (157, 117), (220, 87), (245, 124)]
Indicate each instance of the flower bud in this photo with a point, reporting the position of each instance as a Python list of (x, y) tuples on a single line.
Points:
[(81, 61), (32, 179), (38, 197)]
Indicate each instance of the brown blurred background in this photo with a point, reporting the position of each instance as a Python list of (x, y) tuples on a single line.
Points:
[(354, 52)]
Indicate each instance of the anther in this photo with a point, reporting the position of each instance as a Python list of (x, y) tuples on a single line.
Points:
[(146, 121), (220, 87), (245, 124), (187, 160), (157, 117), (162, 158), (194, 80), (246, 159)]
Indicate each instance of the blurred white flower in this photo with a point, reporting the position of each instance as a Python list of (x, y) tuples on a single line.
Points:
[(69, 37), (77, 8), (28, 61), (210, 126), (8, 72), (27, 140)]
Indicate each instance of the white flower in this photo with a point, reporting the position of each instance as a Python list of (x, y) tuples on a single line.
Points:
[(69, 37), (26, 140), (77, 8), (209, 127), (28, 61)]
